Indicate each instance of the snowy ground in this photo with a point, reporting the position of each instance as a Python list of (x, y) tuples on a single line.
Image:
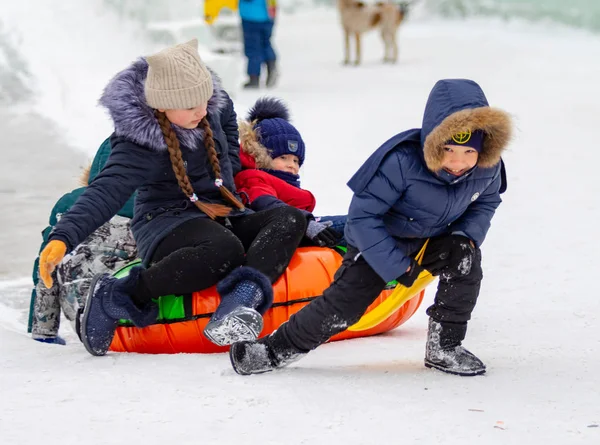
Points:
[(536, 326)]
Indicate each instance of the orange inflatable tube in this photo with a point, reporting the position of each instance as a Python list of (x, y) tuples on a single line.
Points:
[(309, 273)]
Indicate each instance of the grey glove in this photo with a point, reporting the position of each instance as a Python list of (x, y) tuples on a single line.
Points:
[(322, 234)]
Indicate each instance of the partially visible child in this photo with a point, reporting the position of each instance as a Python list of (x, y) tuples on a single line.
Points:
[(105, 251), (441, 182), (272, 152)]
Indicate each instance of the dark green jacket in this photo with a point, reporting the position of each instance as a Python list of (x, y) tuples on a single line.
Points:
[(64, 204)]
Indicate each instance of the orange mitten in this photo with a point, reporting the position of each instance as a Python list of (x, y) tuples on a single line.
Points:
[(51, 257)]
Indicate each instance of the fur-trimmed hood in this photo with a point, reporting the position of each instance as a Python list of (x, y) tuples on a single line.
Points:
[(84, 178), (457, 105), (134, 119), (252, 148)]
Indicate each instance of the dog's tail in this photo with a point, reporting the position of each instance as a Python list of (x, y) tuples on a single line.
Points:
[(403, 7), (376, 19), (393, 13)]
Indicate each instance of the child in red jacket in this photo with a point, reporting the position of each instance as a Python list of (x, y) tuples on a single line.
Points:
[(272, 152)]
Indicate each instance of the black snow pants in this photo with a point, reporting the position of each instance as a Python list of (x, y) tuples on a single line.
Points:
[(201, 252), (356, 285)]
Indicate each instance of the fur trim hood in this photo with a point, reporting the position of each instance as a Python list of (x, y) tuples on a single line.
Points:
[(456, 105), (134, 119), (251, 147), (84, 178)]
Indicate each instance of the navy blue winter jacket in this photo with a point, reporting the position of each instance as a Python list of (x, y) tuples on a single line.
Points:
[(402, 195), (139, 160)]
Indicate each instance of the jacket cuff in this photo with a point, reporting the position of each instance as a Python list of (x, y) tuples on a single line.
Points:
[(63, 239)]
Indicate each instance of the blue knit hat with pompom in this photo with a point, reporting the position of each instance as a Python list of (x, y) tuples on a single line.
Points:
[(274, 129)]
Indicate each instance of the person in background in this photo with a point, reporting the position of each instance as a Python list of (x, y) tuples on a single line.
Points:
[(258, 19)]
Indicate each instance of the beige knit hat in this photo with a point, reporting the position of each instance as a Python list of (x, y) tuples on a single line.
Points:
[(177, 78)]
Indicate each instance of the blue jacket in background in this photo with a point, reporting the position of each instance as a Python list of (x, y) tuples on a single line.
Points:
[(254, 10), (398, 201)]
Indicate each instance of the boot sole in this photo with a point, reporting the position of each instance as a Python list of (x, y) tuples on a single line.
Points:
[(241, 324), (431, 365), (240, 369), (232, 353), (86, 310), (78, 318)]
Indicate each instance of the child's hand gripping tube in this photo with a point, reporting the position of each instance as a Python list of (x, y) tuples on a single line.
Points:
[(399, 297)]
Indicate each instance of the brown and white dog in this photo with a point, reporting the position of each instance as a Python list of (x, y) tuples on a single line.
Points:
[(358, 17)]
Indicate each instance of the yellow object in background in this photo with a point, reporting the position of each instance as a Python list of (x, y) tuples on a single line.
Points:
[(399, 296), (213, 7)]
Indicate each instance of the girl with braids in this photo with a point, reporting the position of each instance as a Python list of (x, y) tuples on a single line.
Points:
[(176, 143)]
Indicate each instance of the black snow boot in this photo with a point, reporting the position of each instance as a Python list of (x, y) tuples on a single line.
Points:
[(272, 73), (263, 355), (252, 83), (444, 350)]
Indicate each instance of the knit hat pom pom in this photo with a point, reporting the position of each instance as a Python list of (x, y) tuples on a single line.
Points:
[(268, 108)]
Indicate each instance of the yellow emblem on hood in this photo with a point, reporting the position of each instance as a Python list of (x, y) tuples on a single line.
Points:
[(462, 137)]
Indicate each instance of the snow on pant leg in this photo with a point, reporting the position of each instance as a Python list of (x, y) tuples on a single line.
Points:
[(270, 238), (356, 285), (46, 310), (107, 250), (267, 49), (194, 256), (74, 274), (457, 295), (252, 46), (75, 287)]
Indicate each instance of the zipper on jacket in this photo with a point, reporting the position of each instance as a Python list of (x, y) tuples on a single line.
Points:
[(450, 191)]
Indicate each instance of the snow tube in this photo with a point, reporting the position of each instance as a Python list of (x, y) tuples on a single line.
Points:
[(182, 319), (396, 299)]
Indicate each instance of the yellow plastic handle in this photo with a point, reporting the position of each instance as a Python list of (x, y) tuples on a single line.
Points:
[(400, 295)]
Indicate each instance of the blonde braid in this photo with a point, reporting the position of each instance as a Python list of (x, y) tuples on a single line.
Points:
[(212, 210)]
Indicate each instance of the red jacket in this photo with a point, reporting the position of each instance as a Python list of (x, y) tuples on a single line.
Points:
[(252, 183)]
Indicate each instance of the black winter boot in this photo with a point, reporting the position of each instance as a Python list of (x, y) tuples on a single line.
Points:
[(272, 73), (444, 351), (263, 355), (252, 83), (246, 294), (110, 300)]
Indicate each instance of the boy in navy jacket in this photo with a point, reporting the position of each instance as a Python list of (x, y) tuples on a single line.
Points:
[(441, 182)]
